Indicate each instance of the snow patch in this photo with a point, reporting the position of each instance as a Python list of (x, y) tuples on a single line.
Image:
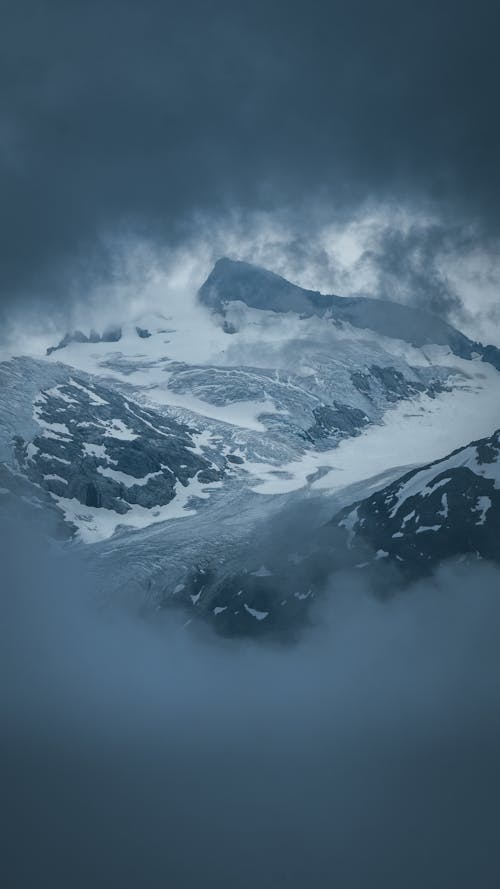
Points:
[(128, 480), (424, 528), (97, 523), (55, 392), (482, 506), (444, 511), (52, 477), (97, 450), (258, 615), (381, 554), (92, 396), (117, 429)]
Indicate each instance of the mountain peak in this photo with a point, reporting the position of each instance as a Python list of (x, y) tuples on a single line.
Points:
[(233, 280)]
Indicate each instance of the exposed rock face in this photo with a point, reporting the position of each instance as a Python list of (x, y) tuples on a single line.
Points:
[(446, 509), (103, 451), (339, 418), (111, 334)]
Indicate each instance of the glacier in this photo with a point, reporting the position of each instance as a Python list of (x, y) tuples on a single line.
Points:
[(170, 449)]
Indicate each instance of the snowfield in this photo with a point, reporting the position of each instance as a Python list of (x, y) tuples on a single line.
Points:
[(173, 438)]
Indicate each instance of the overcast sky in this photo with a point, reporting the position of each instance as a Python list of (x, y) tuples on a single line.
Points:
[(151, 121)]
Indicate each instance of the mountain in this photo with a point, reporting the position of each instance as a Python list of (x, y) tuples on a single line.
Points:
[(239, 281), (173, 449), (289, 380), (448, 508), (105, 460)]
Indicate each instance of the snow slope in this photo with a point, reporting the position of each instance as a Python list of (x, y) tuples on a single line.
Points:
[(172, 438)]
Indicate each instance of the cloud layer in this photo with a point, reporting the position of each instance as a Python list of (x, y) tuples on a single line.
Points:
[(136, 754), (122, 121)]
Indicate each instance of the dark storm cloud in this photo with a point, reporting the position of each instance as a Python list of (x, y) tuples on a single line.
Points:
[(128, 119)]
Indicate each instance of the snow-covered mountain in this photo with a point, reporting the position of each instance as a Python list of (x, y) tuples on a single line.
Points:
[(256, 287), (448, 508), (172, 447), (105, 461)]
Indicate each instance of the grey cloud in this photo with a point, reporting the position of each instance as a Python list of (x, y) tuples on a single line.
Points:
[(127, 120), (407, 266)]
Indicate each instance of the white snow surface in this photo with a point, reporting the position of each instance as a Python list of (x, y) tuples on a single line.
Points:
[(482, 507), (258, 615), (444, 511), (96, 523), (422, 482), (96, 450), (128, 480), (424, 528), (414, 432)]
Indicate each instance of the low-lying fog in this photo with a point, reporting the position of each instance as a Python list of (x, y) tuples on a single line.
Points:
[(138, 754)]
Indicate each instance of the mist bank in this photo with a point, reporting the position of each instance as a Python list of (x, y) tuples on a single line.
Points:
[(136, 753)]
